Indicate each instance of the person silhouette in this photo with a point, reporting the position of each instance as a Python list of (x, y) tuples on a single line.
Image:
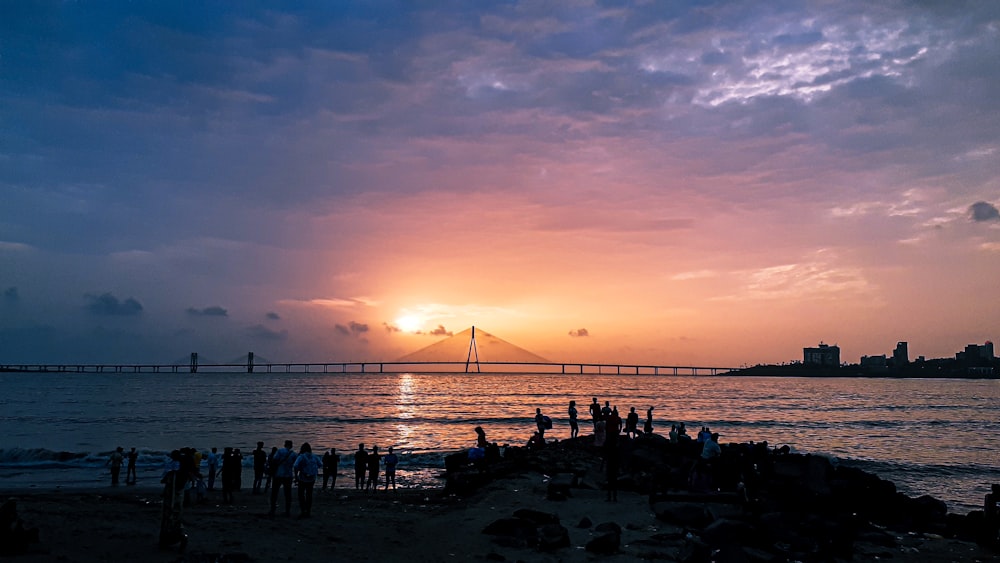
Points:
[(360, 466), (331, 461), (574, 427), (281, 469), (130, 472), (373, 468), (259, 467), (306, 469), (390, 461), (115, 461)]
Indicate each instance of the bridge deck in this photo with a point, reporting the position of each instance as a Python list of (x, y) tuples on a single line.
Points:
[(374, 367)]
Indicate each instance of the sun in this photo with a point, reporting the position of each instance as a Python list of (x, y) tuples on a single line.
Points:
[(409, 323)]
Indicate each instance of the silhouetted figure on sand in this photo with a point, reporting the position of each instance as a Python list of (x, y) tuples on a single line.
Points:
[(481, 441), (130, 472), (259, 467), (374, 459), (306, 469), (213, 467), (595, 411), (360, 467), (282, 474), (115, 461), (390, 461), (647, 428), (231, 469), (331, 462)]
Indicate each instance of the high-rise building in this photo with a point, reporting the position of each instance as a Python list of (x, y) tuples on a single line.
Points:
[(901, 355), (823, 355)]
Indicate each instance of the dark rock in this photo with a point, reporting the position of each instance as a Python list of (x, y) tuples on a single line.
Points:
[(538, 517), (559, 486), (524, 531), (584, 523), (604, 544), (552, 536)]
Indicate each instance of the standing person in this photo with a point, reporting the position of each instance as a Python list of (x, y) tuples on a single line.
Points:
[(360, 466), (239, 476), (331, 462), (213, 467), (373, 467), (540, 422), (606, 410), (390, 461), (632, 423), (647, 428), (281, 471), (267, 468), (595, 412), (231, 469), (259, 467), (130, 476), (174, 479), (306, 468), (574, 427), (614, 422), (115, 461)]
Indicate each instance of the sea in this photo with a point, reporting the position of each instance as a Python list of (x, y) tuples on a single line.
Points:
[(929, 436)]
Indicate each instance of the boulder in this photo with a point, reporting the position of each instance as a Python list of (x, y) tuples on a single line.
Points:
[(552, 536), (604, 544)]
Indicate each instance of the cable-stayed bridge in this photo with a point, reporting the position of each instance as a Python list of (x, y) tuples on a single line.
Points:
[(254, 366), (510, 359)]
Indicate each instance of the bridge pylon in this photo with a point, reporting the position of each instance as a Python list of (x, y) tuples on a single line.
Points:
[(472, 348)]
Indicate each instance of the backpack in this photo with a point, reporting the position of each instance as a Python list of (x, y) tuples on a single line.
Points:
[(547, 422)]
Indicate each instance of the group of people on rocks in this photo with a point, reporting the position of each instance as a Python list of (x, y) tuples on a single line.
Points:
[(609, 427)]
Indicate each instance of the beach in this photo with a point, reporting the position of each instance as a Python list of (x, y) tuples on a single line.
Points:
[(122, 523)]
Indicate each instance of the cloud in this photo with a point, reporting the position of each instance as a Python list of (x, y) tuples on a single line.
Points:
[(272, 316), (440, 331), (352, 328), (579, 332), (213, 311), (389, 327), (10, 294), (108, 304), (261, 332), (982, 211)]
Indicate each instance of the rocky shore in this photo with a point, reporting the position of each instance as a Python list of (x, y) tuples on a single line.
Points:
[(752, 503)]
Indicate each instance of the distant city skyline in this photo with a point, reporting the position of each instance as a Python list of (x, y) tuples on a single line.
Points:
[(710, 183)]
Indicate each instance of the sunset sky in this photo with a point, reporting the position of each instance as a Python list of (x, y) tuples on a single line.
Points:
[(712, 183)]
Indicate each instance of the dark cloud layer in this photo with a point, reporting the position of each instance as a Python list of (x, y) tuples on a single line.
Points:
[(983, 211), (213, 311), (579, 332), (352, 328), (108, 304)]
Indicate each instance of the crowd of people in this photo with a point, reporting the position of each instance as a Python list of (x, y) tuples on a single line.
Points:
[(189, 475)]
